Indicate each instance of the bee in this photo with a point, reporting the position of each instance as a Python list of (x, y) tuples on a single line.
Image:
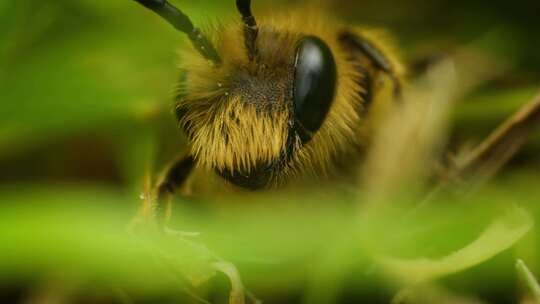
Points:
[(266, 103)]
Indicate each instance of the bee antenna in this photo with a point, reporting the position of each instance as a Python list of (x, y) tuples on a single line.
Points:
[(251, 30), (181, 22)]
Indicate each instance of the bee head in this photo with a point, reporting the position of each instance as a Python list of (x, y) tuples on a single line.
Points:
[(248, 118), (253, 100)]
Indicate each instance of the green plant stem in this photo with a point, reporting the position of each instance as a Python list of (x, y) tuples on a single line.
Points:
[(529, 279)]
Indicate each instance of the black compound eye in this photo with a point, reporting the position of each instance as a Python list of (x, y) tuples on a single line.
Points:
[(314, 85)]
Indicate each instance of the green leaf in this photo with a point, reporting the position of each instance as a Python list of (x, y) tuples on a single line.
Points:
[(502, 234)]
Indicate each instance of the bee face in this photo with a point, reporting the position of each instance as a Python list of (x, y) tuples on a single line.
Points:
[(262, 105), (261, 112)]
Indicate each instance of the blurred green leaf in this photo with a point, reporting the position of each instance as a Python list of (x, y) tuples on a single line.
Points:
[(502, 234)]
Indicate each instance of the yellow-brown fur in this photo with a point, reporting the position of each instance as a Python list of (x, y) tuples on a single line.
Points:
[(256, 133)]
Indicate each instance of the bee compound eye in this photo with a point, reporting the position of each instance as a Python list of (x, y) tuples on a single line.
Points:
[(314, 85)]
